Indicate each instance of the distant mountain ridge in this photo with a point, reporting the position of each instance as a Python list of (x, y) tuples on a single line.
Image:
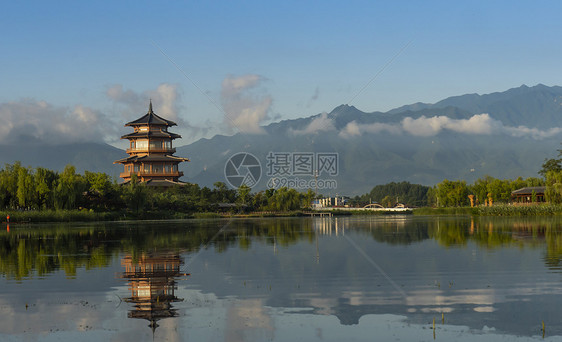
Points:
[(513, 106), (382, 157), (373, 148)]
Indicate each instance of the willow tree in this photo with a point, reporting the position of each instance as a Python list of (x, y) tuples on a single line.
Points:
[(553, 192)]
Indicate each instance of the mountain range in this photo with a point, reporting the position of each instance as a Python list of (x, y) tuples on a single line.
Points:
[(505, 135)]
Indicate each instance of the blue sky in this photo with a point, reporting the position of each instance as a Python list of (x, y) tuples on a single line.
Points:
[(90, 64)]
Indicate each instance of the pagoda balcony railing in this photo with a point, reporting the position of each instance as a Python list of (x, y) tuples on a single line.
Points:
[(170, 150), (151, 174)]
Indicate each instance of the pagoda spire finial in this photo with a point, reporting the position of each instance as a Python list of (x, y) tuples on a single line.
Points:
[(150, 107)]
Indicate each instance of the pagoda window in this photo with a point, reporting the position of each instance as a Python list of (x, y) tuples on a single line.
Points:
[(142, 144), (143, 129), (146, 168), (136, 167), (175, 168), (167, 168), (132, 144), (154, 144), (157, 168), (167, 144)]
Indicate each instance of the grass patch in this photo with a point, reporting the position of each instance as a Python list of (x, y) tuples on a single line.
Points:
[(206, 215), (458, 211), (495, 210), (523, 210), (59, 216), (379, 212)]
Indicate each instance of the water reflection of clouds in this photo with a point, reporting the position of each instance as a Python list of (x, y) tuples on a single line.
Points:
[(420, 298), (248, 319), (52, 314), (232, 324), (323, 306), (483, 300)]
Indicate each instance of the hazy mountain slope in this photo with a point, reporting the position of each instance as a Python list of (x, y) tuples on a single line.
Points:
[(84, 156), (381, 157), (538, 106)]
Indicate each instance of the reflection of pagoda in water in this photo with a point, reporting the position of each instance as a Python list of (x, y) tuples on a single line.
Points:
[(152, 282)]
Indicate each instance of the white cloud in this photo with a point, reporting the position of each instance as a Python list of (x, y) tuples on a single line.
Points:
[(534, 133), (232, 85), (116, 93), (244, 109), (165, 101), (424, 126), (350, 130), (29, 120), (167, 97), (318, 124), (477, 124), (355, 129)]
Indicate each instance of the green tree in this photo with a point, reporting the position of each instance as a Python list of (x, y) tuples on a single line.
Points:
[(44, 182), (222, 193), (480, 189), (136, 195), (69, 189), (551, 165), (500, 190), (407, 193), (98, 182), (9, 185), (553, 192), (284, 199), (307, 199), (259, 201), (26, 187), (387, 202), (452, 193), (243, 192), (432, 196), (533, 181)]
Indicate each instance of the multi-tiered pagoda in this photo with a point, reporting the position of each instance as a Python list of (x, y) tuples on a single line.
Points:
[(150, 151)]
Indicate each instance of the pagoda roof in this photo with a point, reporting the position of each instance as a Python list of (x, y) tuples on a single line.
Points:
[(151, 134), (151, 158), (151, 119)]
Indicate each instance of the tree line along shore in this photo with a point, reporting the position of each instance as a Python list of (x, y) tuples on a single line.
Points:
[(41, 195)]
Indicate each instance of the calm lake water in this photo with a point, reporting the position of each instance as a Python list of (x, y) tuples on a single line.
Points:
[(301, 279)]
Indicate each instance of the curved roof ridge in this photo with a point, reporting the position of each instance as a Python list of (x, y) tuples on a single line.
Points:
[(150, 118)]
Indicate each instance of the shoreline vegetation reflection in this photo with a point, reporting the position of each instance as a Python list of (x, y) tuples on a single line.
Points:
[(38, 250)]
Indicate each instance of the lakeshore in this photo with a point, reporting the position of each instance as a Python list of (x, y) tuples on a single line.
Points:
[(36, 216)]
